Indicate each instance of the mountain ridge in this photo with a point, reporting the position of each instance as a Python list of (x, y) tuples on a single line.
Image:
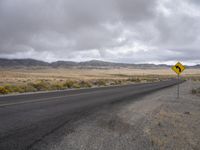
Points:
[(17, 63)]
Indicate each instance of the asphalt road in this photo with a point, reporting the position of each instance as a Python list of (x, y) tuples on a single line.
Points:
[(26, 119)]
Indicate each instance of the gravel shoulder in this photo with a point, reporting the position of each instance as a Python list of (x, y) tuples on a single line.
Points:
[(155, 121)]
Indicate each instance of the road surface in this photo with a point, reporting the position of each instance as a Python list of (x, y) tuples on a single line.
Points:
[(28, 118)]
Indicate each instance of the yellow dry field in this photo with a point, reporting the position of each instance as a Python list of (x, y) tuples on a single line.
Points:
[(18, 76)]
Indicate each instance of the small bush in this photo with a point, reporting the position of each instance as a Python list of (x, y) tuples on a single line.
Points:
[(118, 82), (76, 85), (100, 83), (28, 88), (196, 91), (9, 88), (85, 84), (57, 86), (12, 88), (20, 89), (69, 84), (3, 90), (41, 85), (134, 80)]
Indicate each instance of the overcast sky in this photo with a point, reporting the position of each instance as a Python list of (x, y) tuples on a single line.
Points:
[(131, 31)]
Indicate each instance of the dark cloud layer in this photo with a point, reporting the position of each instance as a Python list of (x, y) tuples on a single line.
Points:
[(134, 31)]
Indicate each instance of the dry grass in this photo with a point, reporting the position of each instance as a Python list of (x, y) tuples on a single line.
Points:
[(196, 91), (28, 80)]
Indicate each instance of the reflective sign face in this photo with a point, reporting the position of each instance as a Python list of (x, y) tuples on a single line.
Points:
[(178, 68)]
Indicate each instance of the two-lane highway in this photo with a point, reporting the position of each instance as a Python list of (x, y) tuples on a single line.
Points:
[(25, 119)]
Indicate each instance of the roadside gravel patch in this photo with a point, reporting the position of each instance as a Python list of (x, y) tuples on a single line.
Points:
[(175, 124)]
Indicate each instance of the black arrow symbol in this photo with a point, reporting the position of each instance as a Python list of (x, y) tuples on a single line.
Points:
[(177, 67)]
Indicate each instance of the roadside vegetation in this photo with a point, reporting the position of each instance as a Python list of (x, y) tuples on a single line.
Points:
[(193, 78), (49, 85), (196, 91), (33, 79)]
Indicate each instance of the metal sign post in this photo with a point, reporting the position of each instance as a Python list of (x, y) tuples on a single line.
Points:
[(178, 86), (178, 69)]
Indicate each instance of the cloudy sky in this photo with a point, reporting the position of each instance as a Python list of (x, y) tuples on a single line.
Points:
[(131, 31)]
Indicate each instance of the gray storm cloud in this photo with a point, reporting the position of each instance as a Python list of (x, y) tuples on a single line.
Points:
[(133, 31)]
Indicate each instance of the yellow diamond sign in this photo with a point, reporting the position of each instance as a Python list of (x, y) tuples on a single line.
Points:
[(178, 68)]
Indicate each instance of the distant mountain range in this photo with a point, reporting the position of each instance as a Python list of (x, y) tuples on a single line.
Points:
[(21, 63)]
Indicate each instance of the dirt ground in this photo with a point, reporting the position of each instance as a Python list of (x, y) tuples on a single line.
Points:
[(157, 121)]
